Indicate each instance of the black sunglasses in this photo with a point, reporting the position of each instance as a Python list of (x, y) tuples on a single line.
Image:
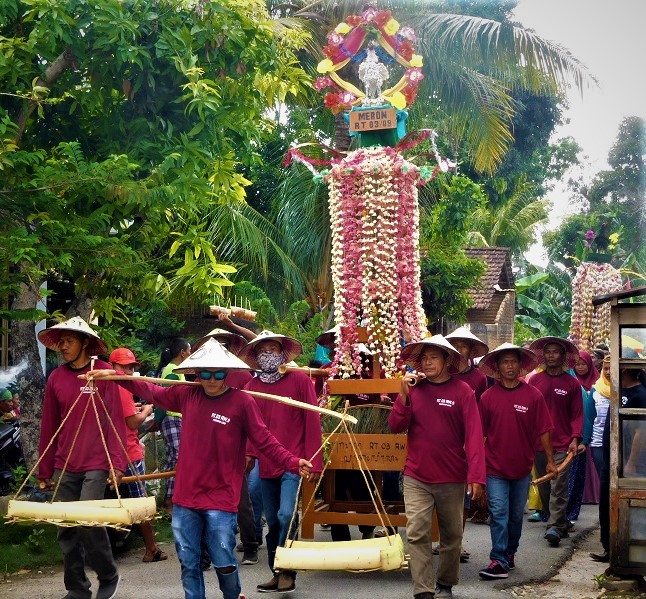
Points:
[(206, 375)]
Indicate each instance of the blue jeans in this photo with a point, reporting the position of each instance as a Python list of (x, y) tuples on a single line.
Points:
[(507, 499), (219, 532), (279, 499), (255, 494)]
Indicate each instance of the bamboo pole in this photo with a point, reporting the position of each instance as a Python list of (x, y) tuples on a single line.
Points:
[(550, 475), (278, 398), (284, 369), (150, 476)]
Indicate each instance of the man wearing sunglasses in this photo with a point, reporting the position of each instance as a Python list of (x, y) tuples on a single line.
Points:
[(217, 422), (298, 430)]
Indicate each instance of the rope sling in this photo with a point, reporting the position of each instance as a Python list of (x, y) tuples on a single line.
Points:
[(364, 555), (119, 513)]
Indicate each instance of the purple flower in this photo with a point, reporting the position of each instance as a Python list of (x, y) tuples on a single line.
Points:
[(590, 234)]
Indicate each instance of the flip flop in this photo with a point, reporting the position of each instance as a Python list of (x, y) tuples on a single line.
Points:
[(158, 556)]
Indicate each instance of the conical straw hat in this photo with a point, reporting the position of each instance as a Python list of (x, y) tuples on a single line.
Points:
[(236, 342), (291, 348), (211, 355), (528, 360), (571, 350), (328, 338), (412, 353), (478, 347), (51, 336)]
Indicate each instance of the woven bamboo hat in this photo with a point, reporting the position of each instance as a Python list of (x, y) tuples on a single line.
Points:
[(211, 355), (489, 364), (478, 347), (291, 348), (412, 353), (236, 342), (571, 351), (51, 336)]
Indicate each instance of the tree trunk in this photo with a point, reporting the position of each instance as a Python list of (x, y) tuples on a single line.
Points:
[(62, 63), (342, 138), (30, 380)]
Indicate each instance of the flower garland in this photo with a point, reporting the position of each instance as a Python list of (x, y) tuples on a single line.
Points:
[(375, 257), (590, 325), (344, 45)]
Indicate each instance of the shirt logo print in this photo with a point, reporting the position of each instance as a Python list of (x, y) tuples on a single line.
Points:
[(520, 408), (560, 391), (219, 419), (445, 402)]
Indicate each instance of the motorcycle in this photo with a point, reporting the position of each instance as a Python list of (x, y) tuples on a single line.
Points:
[(11, 455)]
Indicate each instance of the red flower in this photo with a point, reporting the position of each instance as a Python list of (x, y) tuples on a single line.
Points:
[(353, 20), (410, 93), (331, 99), (334, 53), (405, 50), (382, 17)]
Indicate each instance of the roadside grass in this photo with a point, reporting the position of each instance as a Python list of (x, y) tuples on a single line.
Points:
[(33, 546)]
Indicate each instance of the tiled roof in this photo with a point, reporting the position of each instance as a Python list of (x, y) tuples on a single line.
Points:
[(498, 272)]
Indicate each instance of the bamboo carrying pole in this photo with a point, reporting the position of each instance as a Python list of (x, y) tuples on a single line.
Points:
[(550, 475), (150, 476), (278, 398), (284, 369)]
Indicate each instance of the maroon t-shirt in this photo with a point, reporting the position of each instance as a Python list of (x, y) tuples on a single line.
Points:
[(564, 401), (238, 378), (476, 379), (297, 429), (213, 442), (512, 421), (86, 452), (445, 442)]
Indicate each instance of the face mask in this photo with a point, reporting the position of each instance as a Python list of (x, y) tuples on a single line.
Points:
[(269, 363)]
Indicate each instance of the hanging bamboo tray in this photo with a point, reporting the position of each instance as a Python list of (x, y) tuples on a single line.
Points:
[(117, 513), (384, 554)]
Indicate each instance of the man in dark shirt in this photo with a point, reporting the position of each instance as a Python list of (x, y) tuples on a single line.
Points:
[(562, 393)]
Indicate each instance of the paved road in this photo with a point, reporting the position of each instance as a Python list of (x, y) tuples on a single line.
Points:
[(535, 562)]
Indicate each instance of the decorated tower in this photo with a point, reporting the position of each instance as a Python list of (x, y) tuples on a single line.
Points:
[(373, 203)]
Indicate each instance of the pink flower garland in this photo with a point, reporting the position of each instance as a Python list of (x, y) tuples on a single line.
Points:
[(375, 256)]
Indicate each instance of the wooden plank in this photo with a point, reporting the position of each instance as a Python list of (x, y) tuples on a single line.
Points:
[(365, 386), (380, 452)]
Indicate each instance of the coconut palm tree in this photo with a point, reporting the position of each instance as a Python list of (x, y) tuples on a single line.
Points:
[(510, 224), (472, 66)]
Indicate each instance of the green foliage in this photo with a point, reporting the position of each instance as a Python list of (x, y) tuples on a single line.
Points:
[(137, 121), (298, 321), (35, 540), (146, 330), (614, 210), (447, 274), (544, 303), (21, 554)]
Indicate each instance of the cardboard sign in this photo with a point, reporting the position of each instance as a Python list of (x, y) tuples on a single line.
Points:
[(372, 119)]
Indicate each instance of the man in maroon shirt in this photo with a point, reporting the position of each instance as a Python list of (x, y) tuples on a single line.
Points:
[(470, 347), (72, 457), (562, 393), (514, 415), (298, 430), (249, 516), (445, 458), (217, 422)]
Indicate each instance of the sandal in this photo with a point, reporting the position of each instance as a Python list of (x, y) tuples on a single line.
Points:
[(158, 556)]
